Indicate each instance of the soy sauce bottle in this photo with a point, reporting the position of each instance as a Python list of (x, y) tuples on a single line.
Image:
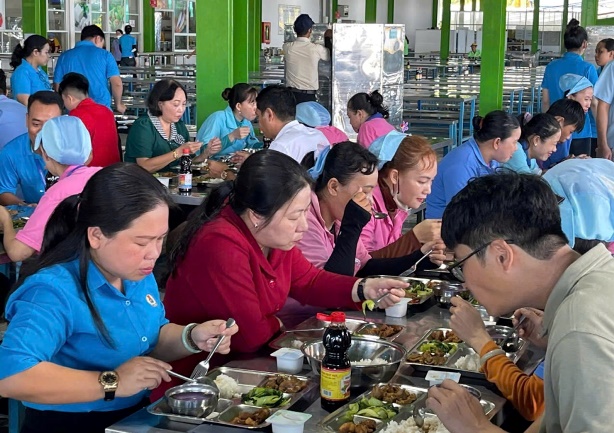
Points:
[(336, 374), (185, 173)]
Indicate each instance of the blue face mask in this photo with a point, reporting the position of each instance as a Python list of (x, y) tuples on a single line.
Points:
[(397, 200)]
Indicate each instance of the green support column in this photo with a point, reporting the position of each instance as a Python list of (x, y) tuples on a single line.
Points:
[(335, 10), (564, 23), (390, 12), (370, 11), (535, 30), (444, 47), (493, 57), (241, 45), (255, 7), (214, 60), (589, 13), (34, 17), (435, 12), (149, 36)]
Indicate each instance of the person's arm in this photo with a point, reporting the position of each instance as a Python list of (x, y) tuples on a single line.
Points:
[(23, 98), (394, 266), (545, 100), (16, 250), (406, 244), (323, 52), (534, 428), (603, 148), (9, 179), (117, 89), (7, 199)]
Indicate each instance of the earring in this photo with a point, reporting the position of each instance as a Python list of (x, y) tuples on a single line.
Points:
[(256, 225)]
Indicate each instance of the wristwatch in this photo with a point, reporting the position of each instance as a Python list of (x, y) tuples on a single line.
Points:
[(360, 292), (109, 381)]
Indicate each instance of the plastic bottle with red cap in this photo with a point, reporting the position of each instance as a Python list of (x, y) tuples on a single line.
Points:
[(336, 372), (185, 173)]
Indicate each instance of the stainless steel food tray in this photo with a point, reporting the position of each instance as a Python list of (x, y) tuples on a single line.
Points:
[(332, 422), (227, 409), (463, 350), (295, 340)]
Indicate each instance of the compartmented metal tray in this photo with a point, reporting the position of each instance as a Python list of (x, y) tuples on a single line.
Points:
[(332, 422), (295, 340), (463, 350), (227, 409)]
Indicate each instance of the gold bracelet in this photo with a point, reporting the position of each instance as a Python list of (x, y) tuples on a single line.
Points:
[(175, 154)]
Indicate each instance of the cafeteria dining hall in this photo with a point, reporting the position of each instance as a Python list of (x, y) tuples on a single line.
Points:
[(336, 216)]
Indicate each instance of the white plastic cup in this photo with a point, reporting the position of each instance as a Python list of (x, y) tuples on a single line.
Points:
[(287, 421), (164, 180), (289, 360), (399, 309)]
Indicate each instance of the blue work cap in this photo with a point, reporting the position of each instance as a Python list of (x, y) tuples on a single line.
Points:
[(588, 188), (302, 24), (65, 140), (312, 114), (574, 83), (320, 159), (386, 146)]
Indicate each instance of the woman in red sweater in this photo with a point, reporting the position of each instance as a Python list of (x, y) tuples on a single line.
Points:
[(237, 257)]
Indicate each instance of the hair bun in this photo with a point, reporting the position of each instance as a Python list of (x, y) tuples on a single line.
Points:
[(376, 98), (226, 93), (477, 122), (573, 23)]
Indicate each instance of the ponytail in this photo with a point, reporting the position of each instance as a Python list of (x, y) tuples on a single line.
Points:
[(370, 103), (17, 56), (33, 42)]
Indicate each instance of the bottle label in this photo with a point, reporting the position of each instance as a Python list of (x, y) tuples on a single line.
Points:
[(335, 383), (185, 181)]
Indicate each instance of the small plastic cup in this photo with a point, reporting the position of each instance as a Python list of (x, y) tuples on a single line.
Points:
[(164, 180), (287, 421), (399, 309), (289, 360)]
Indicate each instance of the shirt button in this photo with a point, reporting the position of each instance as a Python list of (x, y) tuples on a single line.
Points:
[(127, 302), (144, 339)]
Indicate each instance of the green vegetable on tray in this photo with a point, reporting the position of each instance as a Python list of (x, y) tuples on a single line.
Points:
[(370, 304), (265, 397), (370, 407), (434, 346), (418, 289)]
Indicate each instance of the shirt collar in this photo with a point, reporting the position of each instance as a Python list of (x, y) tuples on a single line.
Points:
[(377, 115), (286, 128), (570, 54), (303, 39), (82, 43), (87, 102), (593, 259), (476, 151), (231, 120), (97, 281)]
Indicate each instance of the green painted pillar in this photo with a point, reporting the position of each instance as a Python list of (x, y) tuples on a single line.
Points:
[(34, 17), (255, 10), (240, 45), (214, 60), (370, 11), (444, 47), (535, 30), (493, 57), (149, 34), (390, 12), (564, 24), (589, 13), (434, 13), (335, 10)]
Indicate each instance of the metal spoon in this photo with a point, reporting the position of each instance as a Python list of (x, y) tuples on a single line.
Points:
[(507, 341), (181, 376), (379, 215), (411, 270), (203, 366), (419, 409)]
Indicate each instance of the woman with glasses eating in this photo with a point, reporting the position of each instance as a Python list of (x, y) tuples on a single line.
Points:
[(28, 75)]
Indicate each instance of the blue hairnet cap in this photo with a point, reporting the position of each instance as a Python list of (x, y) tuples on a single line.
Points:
[(386, 146), (588, 188), (312, 114), (65, 140), (302, 23), (574, 83)]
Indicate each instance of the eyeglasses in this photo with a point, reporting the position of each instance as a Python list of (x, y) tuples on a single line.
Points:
[(456, 267)]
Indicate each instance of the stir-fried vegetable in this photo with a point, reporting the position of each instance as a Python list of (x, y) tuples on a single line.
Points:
[(264, 397), (371, 407), (367, 304), (418, 289), (433, 346)]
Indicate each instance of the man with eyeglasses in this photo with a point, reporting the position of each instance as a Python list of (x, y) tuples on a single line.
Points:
[(506, 230)]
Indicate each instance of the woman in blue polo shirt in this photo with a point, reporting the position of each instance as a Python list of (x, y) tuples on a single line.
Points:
[(494, 142), (28, 76), (576, 41), (233, 126), (87, 336)]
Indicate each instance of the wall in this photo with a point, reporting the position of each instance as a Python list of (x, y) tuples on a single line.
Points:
[(415, 14), (382, 12), (270, 13), (357, 9)]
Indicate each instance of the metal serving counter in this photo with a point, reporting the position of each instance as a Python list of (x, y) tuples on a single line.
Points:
[(417, 322)]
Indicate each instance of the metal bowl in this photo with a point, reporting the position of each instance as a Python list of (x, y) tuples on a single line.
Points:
[(199, 399), (444, 291), (362, 348), (500, 333)]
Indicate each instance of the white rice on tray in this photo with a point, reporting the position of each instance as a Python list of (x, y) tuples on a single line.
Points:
[(229, 388), (431, 425), (363, 362), (469, 362)]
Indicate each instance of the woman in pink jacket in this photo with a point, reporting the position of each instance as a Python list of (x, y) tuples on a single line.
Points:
[(368, 116)]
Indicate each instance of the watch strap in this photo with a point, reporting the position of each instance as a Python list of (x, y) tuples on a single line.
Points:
[(360, 292), (109, 395)]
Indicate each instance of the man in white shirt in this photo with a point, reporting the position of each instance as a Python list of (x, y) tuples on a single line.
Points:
[(301, 59), (276, 109)]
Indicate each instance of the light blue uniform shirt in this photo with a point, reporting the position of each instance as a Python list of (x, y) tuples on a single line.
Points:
[(570, 63), (222, 123), (520, 161), (96, 64), (560, 154), (26, 80), (22, 172), (126, 42), (50, 322), (454, 172), (12, 120)]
